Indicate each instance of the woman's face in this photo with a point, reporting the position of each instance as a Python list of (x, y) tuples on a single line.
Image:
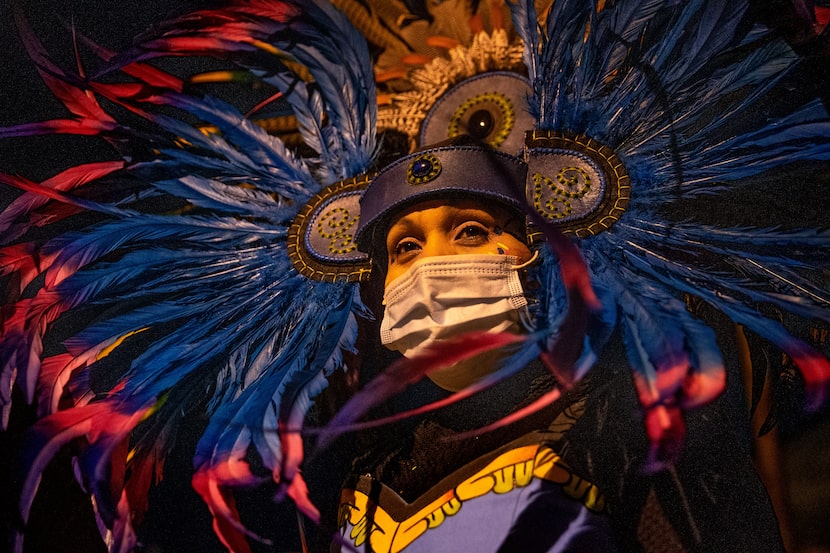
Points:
[(452, 227)]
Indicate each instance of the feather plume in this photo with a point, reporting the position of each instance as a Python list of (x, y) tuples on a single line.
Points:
[(670, 88), (64, 181), (204, 292), (51, 433)]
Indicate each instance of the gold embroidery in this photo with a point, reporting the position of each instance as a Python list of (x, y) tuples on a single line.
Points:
[(335, 226), (550, 467), (488, 101), (513, 469), (572, 183)]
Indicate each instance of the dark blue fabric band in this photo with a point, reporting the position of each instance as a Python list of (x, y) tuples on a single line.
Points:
[(458, 171)]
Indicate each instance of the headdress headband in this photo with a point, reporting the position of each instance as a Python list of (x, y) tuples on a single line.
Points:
[(450, 171), (573, 181)]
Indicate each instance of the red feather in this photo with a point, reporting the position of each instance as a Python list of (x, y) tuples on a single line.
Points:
[(405, 372), (666, 431), (213, 483), (98, 421), (20, 259), (77, 101), (815, 368), (55, 372)]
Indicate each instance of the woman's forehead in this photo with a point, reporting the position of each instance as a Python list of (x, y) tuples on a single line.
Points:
[(450, 207)]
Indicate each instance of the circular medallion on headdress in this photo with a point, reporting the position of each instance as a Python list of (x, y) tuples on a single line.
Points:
[(321, 238), (477, 89), (423, 169), (575, 182), (490, 107)]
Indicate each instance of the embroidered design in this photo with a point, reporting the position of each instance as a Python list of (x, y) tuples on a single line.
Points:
[(334, 226), (405, 111), (571, 183), (365, 521), (575, 182), (320, 240), (489, 117)]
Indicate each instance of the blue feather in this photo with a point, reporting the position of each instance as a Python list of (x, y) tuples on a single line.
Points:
[(251, 153), (305, 340), (237, 318), (756, 272)]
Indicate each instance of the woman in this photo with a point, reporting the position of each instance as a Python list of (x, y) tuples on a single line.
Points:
[(451, 238)]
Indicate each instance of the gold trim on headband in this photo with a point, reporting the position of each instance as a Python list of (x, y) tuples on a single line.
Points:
[(321, 238), (575, 182)]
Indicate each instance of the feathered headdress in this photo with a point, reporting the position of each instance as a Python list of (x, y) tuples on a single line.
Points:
[(214, 271)]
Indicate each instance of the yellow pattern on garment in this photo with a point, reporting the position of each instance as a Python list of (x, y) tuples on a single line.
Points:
[(513, 469)]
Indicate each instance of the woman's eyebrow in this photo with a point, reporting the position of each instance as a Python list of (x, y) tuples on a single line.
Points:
[(400, 228), (463, 214), (404, 224)]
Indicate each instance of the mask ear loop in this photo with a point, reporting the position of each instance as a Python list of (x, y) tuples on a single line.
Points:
[(528, 262), (525, 318)]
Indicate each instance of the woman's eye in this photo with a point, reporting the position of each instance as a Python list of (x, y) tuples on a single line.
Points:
[(473, 232), (406, 246)]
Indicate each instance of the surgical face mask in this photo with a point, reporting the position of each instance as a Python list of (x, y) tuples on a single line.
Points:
[(444, 296)]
